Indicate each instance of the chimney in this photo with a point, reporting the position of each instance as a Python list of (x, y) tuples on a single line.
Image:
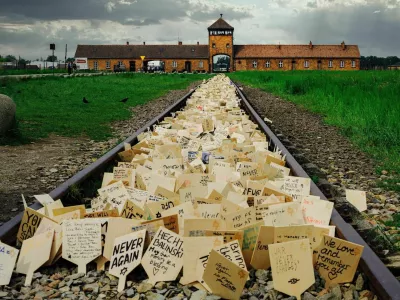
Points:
[(144, 43), (198, 43), (127, 43), (343, 45), (279, 46), (311, 45), (180, 43)]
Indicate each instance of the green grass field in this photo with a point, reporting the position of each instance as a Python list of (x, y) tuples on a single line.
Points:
[(365, 105), (54, 105)]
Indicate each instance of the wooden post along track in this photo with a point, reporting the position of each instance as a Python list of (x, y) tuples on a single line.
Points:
[(382, 281)]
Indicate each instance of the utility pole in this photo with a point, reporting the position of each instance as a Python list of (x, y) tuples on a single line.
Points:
[(65, 61)]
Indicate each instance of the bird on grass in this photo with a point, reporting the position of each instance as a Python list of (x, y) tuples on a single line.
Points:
[(84, 100), (124, 100)]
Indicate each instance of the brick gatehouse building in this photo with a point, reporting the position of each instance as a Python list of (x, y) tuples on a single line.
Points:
[(221, 55)]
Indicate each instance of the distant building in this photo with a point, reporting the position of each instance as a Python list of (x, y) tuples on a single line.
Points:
[(221, 55), (394, 67)]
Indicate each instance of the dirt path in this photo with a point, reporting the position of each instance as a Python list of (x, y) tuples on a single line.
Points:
[(39, 167)]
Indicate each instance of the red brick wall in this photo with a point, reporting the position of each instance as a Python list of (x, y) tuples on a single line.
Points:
[(220, 42), (247, 64)]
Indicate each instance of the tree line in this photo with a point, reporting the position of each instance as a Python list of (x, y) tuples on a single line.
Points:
[(380, 63), (22, 61)]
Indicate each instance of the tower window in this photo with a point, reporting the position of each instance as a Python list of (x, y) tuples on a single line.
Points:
[(228, 45), (213, 45), (280, 64), (254, 64)]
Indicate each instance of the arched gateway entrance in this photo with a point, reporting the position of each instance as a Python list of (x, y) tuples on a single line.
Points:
[(221, 63)]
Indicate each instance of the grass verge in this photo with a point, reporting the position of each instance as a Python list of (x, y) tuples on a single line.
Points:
[(54, 105), (363, 104)]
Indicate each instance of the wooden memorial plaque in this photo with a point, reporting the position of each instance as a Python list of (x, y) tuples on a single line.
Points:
[(316, 212), (45, 226), (285, 214), (44, 199), (132, 211), (228, 235), (34, 253), (208, 211), (291, 266), (116, 227), (170, 222), (297, 187), (250, 235), (81, 241), (71, 215), (318, 235), (197, 227), (126, 256), (357, 198), (153, 210), (8, 257), (260, 258), (336, 260), (223, 277), (102, 214), (49, 208), (163, 259), (64, 210), (30, 222), (291, 233), (240, 219), (192, 246), (233, 252), (151, 230), (116, 194)]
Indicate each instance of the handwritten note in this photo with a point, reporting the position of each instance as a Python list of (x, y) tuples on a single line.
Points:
[(132, 211), (228, 235), (260, 258), (224, 277), (291, 265), (8, 257), (316, 212), (126, 256), (81, 241), (30, 222), (116, 194), (285, 214), (163, 259), (336, 260), (357, 198)]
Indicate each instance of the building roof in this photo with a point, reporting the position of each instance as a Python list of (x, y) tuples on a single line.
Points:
[(304, 51), (220, 24), (135, 51)]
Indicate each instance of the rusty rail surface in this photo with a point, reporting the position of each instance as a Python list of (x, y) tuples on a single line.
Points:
[(382, 281)]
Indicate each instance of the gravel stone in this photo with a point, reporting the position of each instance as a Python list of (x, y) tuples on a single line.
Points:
[(199, 295)]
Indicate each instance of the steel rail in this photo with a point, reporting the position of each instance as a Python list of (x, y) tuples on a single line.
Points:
[(383, 283)]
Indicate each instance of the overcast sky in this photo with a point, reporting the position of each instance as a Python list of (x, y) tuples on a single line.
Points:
[(27, 27)]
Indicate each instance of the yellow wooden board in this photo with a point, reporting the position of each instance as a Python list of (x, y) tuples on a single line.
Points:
[(126, 256), (46, 225), (224, 278), (336, 260), (81, 241), (228, 235), (132, 211), (163, 259), (316, 212), (357, 198), (260, 257), (291, 266), (30, 222), (8, 257), (197, 227)]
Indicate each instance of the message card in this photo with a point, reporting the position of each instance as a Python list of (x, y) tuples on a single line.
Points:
[(285, 214), (291, 265), (163, 259), (228, 235), (132, 211), (81, 241), (240, 219), (357, 198), (8, 257), (223, 277), (316, 212), (336, 260), (126, 256), (260, 258), (30, 222)]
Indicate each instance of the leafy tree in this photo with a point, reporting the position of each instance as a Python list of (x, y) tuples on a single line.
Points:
[(70, 59), (51, 58), (10, 58)]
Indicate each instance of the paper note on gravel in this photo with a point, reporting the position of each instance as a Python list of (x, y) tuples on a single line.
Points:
[(8, 257), (357, 198)]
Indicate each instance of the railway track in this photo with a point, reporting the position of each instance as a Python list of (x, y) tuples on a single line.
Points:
[(85, 183)]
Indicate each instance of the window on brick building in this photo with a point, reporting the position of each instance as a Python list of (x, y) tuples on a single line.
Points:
[(306, 64), (353, 63), (342, 63), (201, 64), (228, 45), (108, 64), (330, 64), (280, 64), (268, 64), (96, 65), (254, 64), (174, 64), (213, 45)]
